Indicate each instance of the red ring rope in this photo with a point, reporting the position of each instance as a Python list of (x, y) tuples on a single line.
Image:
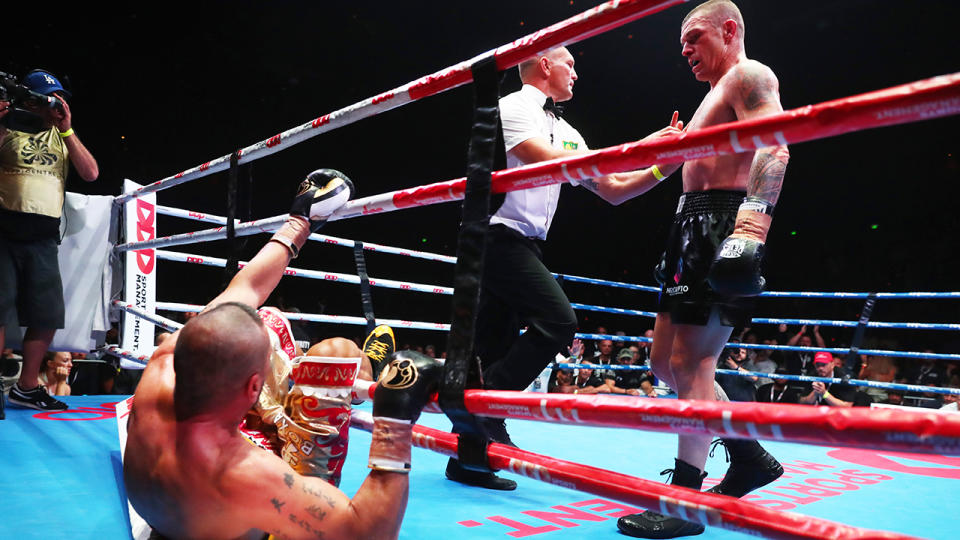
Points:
[(920, 100), (702, 507), (887, 429)]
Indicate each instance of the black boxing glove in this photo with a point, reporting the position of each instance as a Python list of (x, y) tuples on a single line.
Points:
[(736, 265), (406, 384), (321, 193)]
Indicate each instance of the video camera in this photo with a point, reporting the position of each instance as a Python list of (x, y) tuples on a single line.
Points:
[(17, 94)]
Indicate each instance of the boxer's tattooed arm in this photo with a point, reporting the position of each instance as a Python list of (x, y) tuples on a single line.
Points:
[(766, 174), (305, 525), (755, 94), (756, 86), (317, 512), (326, 498)]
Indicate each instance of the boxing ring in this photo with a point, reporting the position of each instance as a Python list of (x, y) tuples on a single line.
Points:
[(849, 472)]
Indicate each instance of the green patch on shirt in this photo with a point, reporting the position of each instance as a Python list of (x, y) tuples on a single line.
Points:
[(567, 145)]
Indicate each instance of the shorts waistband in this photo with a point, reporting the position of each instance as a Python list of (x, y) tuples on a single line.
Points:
[(711, 200)]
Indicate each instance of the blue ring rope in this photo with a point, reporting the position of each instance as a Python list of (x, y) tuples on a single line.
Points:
[(758, 320), (774, 294), (832, 350), (804, 378)]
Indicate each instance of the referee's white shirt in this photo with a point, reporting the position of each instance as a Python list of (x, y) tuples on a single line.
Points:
[(531, 211)]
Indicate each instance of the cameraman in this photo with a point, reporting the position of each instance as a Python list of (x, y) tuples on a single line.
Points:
[(33, 173)]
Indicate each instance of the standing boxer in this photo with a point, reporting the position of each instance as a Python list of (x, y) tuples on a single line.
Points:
[(711, 266)]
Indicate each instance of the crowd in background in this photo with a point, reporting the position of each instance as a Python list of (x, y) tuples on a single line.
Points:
[(93, 373), (813, 363)]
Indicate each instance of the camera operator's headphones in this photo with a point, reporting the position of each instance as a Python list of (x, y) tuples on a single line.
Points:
[(43, 82)]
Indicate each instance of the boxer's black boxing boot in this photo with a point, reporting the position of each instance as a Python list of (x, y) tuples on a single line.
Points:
[(751, 467), (652, 524)]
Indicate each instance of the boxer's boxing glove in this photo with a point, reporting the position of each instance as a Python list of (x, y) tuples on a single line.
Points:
[(321, 193), (406, 385), (736, 265)]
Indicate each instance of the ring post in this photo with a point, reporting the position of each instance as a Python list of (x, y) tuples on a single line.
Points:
[(462, 369)]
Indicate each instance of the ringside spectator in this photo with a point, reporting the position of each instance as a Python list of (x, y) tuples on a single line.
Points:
[(55, 372), (629, 381), (879, 369), (737, 387), (835, 395), (778, 391)]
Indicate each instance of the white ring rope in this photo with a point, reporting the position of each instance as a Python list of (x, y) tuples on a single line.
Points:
[(380, 248), (310, 274), (165, 323), (315, 317), (368, 246)]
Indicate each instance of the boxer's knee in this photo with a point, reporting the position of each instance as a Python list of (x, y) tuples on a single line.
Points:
[(660, 365)]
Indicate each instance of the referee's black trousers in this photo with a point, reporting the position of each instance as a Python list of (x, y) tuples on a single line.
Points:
[(517, 290)]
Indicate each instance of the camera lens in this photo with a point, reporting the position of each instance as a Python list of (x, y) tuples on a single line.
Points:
[(9, 367)]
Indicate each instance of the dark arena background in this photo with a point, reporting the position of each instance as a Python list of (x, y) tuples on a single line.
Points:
[(161, 89)]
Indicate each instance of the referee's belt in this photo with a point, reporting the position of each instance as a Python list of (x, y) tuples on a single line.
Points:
[(510, 231)]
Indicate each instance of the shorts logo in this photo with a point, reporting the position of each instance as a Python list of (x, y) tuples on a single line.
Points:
[(679, 289), (732, 248), (569, 145)]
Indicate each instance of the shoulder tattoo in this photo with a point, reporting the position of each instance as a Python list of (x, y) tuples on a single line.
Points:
[(755, 86)]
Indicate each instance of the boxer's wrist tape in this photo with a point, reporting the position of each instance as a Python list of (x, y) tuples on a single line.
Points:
[(292, 234), (286, 242), (657, 174), (390, 447), (65, 134), (753, 204)]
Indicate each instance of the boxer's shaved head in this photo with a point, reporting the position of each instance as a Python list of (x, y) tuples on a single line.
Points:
[(216, 353), (718, 11)]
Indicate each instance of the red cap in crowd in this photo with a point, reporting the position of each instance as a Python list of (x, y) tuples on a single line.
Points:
[(822, 357)]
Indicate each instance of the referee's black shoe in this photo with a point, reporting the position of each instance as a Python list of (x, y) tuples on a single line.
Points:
[(488, 480)]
